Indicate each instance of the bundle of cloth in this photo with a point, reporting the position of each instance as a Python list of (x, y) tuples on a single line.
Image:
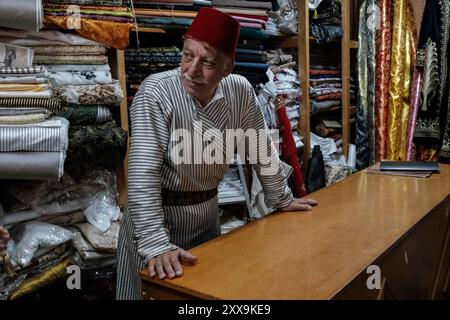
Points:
[(106, 22)]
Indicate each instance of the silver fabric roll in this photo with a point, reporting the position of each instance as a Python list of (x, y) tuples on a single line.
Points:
[(32, 165), (22, 15)]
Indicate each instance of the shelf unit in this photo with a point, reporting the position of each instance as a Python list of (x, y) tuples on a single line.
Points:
[(302, 42)]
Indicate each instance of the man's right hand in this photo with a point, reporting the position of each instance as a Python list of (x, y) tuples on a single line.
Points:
[(168, 263)]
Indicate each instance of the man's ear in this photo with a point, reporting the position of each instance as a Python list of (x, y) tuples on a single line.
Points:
[(229, 67)]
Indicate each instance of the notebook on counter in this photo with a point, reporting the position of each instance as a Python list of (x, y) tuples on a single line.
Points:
[(409, 166)]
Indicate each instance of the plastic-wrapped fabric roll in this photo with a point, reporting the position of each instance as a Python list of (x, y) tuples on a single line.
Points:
[(22, 15), (351, 156)]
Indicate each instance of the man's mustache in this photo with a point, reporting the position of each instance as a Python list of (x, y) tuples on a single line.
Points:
[(194, 80)]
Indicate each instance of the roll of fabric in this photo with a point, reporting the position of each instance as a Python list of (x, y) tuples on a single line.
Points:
[(80, 77), (400, 81), (72, 59), (87, 115), (383, 73), (23, 116), (47, 136), (32, 165), (68, 50), (22, 15), (104, 94), (53, 104)]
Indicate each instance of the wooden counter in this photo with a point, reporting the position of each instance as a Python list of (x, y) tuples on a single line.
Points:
[(398, 223)]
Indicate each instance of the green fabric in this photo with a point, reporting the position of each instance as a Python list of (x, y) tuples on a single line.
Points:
[(97, 144)]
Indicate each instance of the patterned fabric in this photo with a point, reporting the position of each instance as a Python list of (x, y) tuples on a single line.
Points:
[(104, 94), (23, 116), (68, 50), (383, 65), (362, 136), (53, 104), (47, 59), (371, 76), (47, 136), (29, 87), (80, 77), (432, 128), (97, 144), (88, 2), (94, 17), (114, 34), (86, 115), (400, 82), (28, 70)]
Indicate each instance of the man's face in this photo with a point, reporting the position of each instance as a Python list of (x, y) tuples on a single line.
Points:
[(202, 69)]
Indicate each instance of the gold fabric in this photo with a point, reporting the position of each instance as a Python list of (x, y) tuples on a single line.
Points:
[(41, 280), (400, 81), (111, 33), (23, 87)]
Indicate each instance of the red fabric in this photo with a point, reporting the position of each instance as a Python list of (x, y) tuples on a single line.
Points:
[(289, 149), (217, 29)]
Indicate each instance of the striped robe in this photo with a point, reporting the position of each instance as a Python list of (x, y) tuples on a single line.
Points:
[(149, 229)]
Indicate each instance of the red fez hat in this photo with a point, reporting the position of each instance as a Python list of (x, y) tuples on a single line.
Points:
[(216, 28)]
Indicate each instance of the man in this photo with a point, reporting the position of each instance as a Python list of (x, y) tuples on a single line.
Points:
[(4, 237), (173, 206)]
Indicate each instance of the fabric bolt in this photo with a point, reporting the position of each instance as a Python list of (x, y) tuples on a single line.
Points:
[(161, 106), (77, 68), (32, 165), (95, 17), (104, 94), (166, 20), (23, 116), (17, 70), (114, 34), (26, 94), (249, 33), (109, 140), (245, 4), (53, 35), (362, 134), (22, 87), (87, 115), (383, 65), (288, 148), (371, 84), (97, 12), (47, 136), (88, 2), (80, 77), (21, 80), (68, 50), (326, 34), (400, 81), (72, 59), (53, 104), (323, 105), (331, 96), (22, 15)]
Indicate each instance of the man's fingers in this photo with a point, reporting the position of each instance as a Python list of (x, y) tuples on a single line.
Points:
[(311, 202), (151, 267), (187, 256), (159, 268), (167, 264), (174, 259)]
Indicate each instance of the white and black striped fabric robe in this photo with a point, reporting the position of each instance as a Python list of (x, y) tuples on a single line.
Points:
[(149, 229)]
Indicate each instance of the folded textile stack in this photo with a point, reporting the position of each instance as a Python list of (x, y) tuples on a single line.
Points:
[(283, 80), (166, 15), (106, 22), (325, 20), (140, 63), (26, 106)]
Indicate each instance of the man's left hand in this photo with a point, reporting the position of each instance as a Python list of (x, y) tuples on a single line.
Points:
[(300, 204)]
